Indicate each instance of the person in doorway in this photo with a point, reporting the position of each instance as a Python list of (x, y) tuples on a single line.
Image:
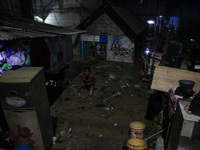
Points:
[(88, 79), (93, 50)]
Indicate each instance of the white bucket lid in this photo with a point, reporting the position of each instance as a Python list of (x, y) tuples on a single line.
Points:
[(137, 125)]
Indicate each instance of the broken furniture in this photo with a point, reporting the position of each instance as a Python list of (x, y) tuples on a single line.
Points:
[(25, 105), (184, 129)]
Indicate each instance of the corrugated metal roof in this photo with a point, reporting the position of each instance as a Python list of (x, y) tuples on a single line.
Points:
[(126, 21), (19, 28), (136, 24), (8, 33)]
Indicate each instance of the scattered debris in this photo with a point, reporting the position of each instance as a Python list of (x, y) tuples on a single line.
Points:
[(150, 91), (107, 82), (104, 66), (127, 84), (65, 134), (114, 95), (54, 140), (122, 86), (101, 135), (137, 86), (159, 144), (103, 116), (107, 100), (111, 76), (154, 135), (105, 108), (70, 130), (66, 122), (107, 88), (115, 124)]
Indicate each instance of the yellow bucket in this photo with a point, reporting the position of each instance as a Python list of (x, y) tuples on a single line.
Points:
[(136, 144), (137, 130)]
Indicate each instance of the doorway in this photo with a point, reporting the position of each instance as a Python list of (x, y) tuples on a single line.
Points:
[(100, 50), (88, 49)]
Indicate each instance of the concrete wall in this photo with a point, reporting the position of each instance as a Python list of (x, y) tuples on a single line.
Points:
[(67, 13), (127, 50), (66, 19), (125, 55), (104, 26)]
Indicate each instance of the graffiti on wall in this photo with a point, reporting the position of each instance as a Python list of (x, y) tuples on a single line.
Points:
[(120, 51), (123, 53)]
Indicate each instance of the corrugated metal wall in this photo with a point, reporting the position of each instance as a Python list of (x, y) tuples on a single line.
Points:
[(12, 7)]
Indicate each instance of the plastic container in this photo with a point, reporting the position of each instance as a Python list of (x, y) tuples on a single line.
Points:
[(137, 130), (105, 108), (186, 85), (136, 144)]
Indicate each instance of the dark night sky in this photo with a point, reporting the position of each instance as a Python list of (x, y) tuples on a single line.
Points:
[(185, 9)]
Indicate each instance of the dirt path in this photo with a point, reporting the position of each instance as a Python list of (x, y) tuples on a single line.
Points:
[(83, 114)]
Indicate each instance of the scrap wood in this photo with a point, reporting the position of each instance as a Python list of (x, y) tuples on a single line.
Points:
[(104, 66), (154, 134), (115, 94), (166, 77)]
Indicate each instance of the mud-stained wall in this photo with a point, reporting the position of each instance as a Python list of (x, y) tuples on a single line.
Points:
[(126, 52), (105, 26)]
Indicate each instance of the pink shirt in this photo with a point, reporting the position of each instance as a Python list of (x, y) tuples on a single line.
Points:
[(89, 80)]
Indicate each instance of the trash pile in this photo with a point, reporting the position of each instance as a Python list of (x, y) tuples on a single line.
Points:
[(117, 99), (10, 58)]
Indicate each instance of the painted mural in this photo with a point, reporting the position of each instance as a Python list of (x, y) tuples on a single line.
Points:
[(120, 49), (116, 44)]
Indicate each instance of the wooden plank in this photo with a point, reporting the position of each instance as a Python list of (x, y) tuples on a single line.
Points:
[(166, 77), (21, 75)]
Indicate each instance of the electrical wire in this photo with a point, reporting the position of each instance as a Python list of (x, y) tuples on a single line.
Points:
[(91, 12), (56, 18), (45, 6)]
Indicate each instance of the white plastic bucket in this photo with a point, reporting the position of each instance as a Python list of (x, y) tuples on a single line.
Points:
[(137, 130)]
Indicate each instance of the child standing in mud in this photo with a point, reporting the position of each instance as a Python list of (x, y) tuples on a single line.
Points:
[(88, 79)]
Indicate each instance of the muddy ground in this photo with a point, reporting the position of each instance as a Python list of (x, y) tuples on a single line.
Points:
[(93, 127)]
